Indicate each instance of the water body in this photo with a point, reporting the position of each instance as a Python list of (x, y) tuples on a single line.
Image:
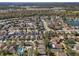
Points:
[(40, 4), (73, 22)]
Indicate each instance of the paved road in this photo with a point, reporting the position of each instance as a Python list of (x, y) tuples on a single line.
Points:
[(65, 50), (46, 25)]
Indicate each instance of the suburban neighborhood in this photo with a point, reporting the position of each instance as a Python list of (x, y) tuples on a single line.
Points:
[(37, 31)]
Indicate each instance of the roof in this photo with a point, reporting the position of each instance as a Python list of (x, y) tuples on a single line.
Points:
[(55, 39), (41, 41), (57, 46), (41, 46), (11, 49), (77, 47), (62, 54), (42, 51)]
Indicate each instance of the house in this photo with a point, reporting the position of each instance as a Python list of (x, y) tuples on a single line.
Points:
[(40, 41), (41, 49), (41, 46), (76, 48), (11, 49), (62, 54), (55, 40), (57, 48), (0, 45)]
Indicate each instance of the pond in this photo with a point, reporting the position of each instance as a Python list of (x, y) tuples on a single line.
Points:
[(73, 22)]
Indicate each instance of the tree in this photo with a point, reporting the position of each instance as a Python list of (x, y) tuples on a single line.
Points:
[(71, 52), (36, 52), (70, 41), (46, 40)]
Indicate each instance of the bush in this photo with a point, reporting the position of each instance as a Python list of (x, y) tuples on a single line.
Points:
[(71, 52), (70, 41)]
